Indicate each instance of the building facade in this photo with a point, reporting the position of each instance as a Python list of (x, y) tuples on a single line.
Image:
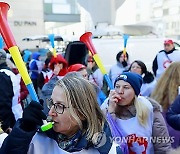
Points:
[(25, 18), (163, 14)]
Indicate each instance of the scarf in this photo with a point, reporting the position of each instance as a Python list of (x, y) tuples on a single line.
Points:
[(79, 141), (73, 144)]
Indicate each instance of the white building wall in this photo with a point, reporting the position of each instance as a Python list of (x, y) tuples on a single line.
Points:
[(25, 18), (165, 14)]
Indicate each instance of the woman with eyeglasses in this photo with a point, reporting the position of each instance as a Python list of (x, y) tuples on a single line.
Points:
[(79, 124)]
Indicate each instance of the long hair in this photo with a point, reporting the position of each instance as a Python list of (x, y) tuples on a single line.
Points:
[(166, 89), (142, 111), (119, 55), (82, 100), (124, 63), (148, 76)]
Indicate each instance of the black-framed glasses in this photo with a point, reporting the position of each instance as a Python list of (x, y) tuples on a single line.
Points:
[(58, 107)]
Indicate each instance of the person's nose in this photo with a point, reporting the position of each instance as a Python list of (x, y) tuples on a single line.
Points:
[(52, 112), (120, 90), (134, 68)]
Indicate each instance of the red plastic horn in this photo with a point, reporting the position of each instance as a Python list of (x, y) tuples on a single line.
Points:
[(4, 27), (86, 39)]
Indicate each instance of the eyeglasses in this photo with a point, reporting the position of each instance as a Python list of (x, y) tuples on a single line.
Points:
[(167, 45), (58, 107)]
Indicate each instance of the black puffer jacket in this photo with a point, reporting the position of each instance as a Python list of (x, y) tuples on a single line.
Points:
[(173, 114), (6, 95)]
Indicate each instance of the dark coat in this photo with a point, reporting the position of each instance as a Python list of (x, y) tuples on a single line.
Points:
[(173, 114), (6, 95)]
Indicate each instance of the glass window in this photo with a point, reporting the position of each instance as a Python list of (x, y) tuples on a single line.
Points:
[(61, 6), (60, 1), (48, 1), (165, 12), (61, 9)]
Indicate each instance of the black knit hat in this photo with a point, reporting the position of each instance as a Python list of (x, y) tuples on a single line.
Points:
[(134, 79)]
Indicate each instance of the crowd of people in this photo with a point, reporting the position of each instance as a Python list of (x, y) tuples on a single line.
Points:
[(141, 115)]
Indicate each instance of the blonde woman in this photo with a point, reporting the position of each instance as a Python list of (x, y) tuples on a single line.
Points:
[(79, 125), (132, 116), (165, 93)]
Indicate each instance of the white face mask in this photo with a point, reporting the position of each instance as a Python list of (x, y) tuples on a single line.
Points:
[(57, 68)]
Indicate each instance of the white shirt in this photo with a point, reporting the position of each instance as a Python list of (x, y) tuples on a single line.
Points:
[(42, 144), (138, 136), (164, 60), (147, 88)]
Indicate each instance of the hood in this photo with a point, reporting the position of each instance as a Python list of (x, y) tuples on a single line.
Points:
[(155, 104), (59, 59), (35, 55)]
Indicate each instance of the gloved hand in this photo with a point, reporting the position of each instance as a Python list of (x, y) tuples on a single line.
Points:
[(6, 118), (7, 123), (32, 116)]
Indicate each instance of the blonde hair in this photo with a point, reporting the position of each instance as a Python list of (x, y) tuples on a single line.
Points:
[(142, 111), (82, 100), (166, 89)]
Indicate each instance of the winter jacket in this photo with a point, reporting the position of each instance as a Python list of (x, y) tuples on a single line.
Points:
[(44, 77), (159, 128), (173, 114), (174, 134), (21, 142), (115, 71), (163, 60), (10, 109), (35, 66)]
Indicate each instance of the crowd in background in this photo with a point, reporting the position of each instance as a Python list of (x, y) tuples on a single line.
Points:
[(142, 103)]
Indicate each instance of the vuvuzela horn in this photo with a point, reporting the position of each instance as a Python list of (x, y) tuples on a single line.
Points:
[(86, 38), (13, 49), (15, 53)]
